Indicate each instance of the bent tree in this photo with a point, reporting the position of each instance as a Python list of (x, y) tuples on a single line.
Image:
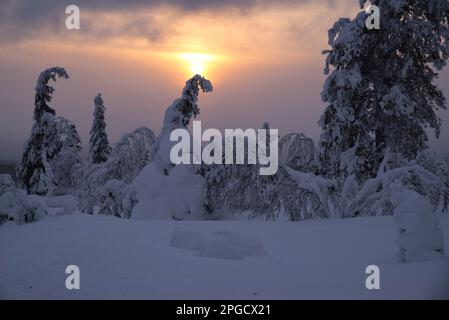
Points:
[(50, 135)]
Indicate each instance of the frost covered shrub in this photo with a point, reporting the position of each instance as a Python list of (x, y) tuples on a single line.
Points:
[(128, 157), (68, 169), (6, 183), (116, 198), (375, 196), (307, 196), (294, 191), (20, 207), (233, 189)]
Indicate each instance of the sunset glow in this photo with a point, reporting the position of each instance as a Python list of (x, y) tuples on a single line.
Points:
[(197, 63)]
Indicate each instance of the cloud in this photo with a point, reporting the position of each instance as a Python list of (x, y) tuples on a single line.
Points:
[(25, 19)]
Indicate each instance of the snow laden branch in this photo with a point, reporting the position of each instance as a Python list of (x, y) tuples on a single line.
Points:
[(44, 91), (179, 114), (181, 111), (375, 197)]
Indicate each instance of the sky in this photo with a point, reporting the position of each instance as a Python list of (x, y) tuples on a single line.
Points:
[(263, 58)]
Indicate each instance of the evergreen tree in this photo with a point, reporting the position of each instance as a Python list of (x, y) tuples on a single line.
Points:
[(50, 135), (99, 149), (381, 93)]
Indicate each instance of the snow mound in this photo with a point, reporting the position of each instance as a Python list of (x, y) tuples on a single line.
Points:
[(420, 237), (21, 208), (178, 196), (187, 239), (231, 245)]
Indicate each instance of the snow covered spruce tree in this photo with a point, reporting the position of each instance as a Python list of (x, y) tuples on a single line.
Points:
[(51, 153), (161, 179), (178, 116), (381, 93), (99, 148)]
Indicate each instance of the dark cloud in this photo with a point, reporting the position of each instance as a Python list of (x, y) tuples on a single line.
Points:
[(31, 18)]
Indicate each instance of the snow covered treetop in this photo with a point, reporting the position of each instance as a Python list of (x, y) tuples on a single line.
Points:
[(44, 91), (188, 105), (181, 111), (99, 101)]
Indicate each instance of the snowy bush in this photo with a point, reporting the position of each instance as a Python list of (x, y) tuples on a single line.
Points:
[(20, 207), (68, 203), (68, 169), (178, 195), (126, 161), (6, 183), (375, 196), (116, 198), (234, 189), (420, 237), (307, 196)]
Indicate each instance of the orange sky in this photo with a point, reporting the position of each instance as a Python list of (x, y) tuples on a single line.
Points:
[(264, 61)]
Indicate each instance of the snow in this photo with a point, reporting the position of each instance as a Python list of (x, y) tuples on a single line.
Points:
[(420, 237), (136, 259), (231, 245), (179, 195), (187, 239), (68, 203)]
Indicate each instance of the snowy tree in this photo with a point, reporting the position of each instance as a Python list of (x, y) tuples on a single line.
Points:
[(233, 188), (236, 188), (381, 93), (50, 135), (128, 157), (178, 116), (99, 148)]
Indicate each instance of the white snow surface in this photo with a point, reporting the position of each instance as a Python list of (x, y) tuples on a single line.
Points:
[(179, 195), (124, 259)]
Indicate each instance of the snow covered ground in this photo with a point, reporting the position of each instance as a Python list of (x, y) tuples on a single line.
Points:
[(123, 259)]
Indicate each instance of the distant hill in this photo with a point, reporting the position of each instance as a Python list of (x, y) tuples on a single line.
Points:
[(8, 167)]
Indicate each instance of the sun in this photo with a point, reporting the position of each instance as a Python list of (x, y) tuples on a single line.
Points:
[(197, 63)]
